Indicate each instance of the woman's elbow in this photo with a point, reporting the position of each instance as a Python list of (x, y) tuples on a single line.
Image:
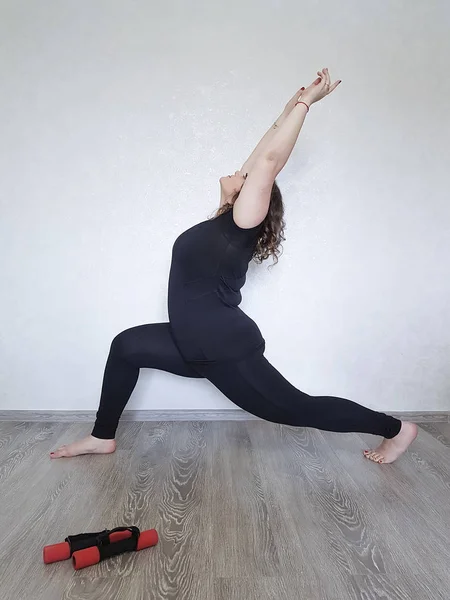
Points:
[(271, 162)]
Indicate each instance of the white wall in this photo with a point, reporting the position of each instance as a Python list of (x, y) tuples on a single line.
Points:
[(117, 119)]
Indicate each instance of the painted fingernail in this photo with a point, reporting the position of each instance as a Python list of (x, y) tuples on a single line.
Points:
[(302, 88)]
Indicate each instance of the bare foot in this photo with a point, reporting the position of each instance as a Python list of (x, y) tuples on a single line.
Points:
[(88, 445), (390, 450)]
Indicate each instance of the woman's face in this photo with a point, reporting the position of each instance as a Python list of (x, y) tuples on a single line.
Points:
[(232, 184)]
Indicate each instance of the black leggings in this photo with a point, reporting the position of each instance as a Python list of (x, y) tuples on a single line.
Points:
[(252, 383)]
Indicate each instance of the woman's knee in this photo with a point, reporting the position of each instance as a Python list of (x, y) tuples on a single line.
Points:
[(122, 344), (296, 411)]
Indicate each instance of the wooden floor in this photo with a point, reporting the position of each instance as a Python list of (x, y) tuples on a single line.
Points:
[(245, 510)]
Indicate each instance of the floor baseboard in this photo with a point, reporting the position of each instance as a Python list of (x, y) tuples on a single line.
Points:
[(183, 415)]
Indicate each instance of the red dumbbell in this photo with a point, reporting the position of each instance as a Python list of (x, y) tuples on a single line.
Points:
[(134, 541), (73, 543)]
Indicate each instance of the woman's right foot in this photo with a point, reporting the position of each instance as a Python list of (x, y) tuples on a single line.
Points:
[(88, 445), (390, 449)]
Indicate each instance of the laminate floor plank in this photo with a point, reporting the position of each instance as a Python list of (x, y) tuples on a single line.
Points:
[(244, 543), (444, 428), (383, 587), (306, 560), (341, 508), (74, 496), (438, 432), (249, 588), (16, 456), (412, 525), (12, 432), (244, 510), (167, 491)]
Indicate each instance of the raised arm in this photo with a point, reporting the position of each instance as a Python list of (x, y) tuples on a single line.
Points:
[(252, 205), (267, 137), (281, 145)]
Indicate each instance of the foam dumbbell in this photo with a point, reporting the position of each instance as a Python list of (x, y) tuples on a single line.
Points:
[(73, 543), (132, 540)]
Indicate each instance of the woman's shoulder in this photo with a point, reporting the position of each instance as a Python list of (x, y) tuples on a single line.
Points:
[(234, 232)]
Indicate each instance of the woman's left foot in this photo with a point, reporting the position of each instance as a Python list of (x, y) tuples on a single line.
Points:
[(88, 445), (390, 450)]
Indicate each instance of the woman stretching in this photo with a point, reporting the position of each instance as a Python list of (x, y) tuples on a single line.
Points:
[(208, 335)]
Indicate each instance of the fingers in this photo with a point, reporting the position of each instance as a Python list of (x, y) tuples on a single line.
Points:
[(298, 94), (322, 75), (323, 80), (334, 86), (324, 86), (325, 77), (290, 105)]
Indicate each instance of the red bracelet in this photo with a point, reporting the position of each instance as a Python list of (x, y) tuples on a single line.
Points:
[(307, 107)]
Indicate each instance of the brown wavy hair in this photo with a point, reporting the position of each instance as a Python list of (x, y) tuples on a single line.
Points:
[(272, 228)]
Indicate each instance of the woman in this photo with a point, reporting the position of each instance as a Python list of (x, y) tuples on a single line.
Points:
[(208, 335)]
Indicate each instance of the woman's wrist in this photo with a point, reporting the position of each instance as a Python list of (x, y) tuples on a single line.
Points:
[(303, 103)]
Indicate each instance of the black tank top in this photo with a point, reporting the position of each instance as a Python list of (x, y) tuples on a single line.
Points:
[(209, 266)]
